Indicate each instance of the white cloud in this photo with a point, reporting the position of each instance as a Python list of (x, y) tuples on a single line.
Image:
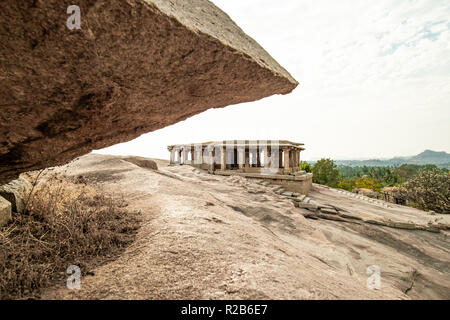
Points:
[(374, 80)]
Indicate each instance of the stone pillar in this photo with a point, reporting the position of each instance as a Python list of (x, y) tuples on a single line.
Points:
[(258, 157), (286, 160), (241, 157), (200, 159), (292, 159), (267, 156), (198, 155), (280, 158), (172, 156), (223, 159), (230, 155), (254, 157), (247, 158), (186, 155), (179, 157), (211, 155)]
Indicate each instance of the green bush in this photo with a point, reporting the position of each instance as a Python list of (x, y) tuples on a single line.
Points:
[(305, 166), (346, 184), (367, 183)]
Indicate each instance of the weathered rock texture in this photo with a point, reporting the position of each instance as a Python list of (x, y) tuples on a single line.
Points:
[(142, 162), (5, 211), (134, 66), (17, 192), (206, 236)]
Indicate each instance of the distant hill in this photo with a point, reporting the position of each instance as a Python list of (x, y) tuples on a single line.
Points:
[(441, 159), (430, 157)]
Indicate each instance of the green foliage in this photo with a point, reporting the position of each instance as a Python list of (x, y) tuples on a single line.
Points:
[(385, 176), (346, 184), (406, 171), (430, 190), (305, 166), (368, 183), (350, 172), (365, 182), (325, 172), (427, 186)]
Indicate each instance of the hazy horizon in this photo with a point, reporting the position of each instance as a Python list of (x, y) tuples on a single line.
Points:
[(374, 81)]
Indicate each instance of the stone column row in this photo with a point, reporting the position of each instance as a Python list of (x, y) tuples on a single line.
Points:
[(291, 160), (290, 156)]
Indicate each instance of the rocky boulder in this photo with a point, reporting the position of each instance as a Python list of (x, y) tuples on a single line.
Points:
[(366, 192), (5, 211), (133, 67), (142, 162), (17, 193)]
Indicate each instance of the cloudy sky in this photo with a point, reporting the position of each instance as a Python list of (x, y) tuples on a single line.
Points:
[(374, 80)]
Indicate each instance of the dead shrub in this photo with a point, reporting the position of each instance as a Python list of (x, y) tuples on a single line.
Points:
[(66, 223), (430, 190)]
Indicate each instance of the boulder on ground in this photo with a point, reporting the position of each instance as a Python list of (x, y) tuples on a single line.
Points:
[(17, 193), (142, 162), (366, 192), (5, 211)]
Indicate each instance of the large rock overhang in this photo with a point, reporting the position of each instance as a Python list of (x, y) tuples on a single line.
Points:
[(135, 66)]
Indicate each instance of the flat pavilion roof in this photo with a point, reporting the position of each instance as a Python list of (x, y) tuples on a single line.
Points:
[(246, 143)]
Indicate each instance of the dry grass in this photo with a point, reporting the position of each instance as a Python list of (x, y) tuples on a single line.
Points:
[(67, 223)]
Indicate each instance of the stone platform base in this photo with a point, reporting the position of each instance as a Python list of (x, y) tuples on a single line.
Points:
[(298, 183)]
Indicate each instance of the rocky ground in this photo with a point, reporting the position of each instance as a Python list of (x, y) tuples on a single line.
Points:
[(212, 237)]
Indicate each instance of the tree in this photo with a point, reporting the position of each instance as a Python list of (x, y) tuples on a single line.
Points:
[(325, 172), (346, 184), (430, 190), (406, 171), (305, 166), (367, 183)]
